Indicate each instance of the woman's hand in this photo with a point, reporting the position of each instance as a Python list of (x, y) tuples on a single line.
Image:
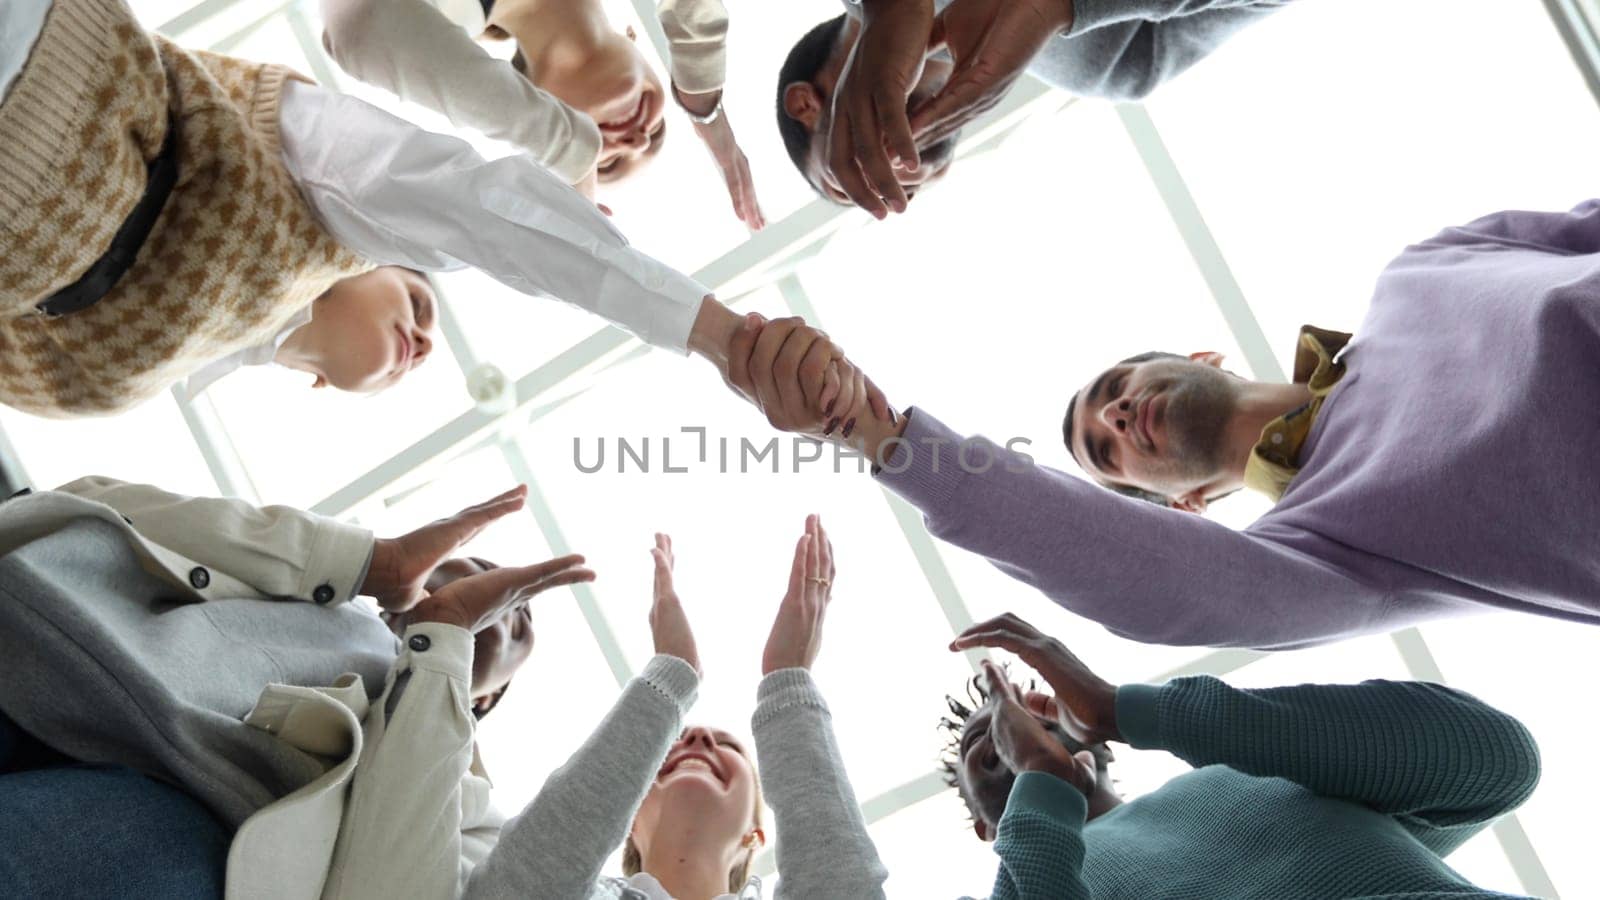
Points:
[(401, 566), (1086, 703), (478, 601), (797, 632), (669, 626), (718, 138)]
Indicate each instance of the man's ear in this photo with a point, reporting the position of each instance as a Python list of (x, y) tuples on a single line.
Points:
[(321, 382), (981, 828), (803, 103), (755, 838), (1208, 357), (1191, 501)]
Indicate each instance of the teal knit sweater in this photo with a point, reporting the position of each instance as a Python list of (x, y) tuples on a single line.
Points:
[(1317, 791)]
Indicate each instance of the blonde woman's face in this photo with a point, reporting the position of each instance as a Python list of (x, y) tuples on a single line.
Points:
[(707, 783)]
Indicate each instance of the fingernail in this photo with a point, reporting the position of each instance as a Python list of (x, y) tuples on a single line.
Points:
[(849, 427), (831, 404), (832, 423), (752, 321)]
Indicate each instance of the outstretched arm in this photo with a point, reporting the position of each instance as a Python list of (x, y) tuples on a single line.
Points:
[(1147, 573), (410, 48), (1441, 762), (404, 196)]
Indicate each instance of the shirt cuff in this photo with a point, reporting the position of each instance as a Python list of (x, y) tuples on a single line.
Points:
[(654, 301), (437, 647), (923, 467), (572, 160), (1047, 794), (1138, 715), (783, 690), (674, 679), (340, 554)]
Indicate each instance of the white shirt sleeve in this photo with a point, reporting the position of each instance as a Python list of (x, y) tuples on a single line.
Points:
[(20, 24), (404, 196), (415, 50), (697, 40)]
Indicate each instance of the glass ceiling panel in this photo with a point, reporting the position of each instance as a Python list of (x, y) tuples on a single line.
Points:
[(1319, 146), (1036, 265)]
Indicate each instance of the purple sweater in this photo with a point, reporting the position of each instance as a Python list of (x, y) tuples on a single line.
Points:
[(1454, 469)]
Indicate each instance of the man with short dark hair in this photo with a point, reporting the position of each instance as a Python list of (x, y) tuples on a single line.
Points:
[(1315, 790), (1438, 463), (869, 109)]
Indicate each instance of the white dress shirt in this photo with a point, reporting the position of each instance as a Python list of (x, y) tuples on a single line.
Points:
[(404, 196), (259, 355), (20, 24)]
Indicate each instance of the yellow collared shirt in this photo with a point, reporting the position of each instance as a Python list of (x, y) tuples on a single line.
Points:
[(1275, 460)]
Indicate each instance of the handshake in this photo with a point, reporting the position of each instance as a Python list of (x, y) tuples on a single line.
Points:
[(801, 380)]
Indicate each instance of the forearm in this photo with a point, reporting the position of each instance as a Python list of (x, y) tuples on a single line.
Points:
[(1441, 761), (697, 40), (276, 550), (1129, 565), (410, 48), (1040, 842), (404, 196), (401, 831), (556, 846), (1124, 50), (824, 850)]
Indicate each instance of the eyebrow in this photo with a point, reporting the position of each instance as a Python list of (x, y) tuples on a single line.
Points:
[(1096, 392)]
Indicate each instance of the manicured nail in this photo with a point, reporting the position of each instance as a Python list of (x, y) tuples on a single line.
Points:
[(849, 427), (832, 424), (831, 404)]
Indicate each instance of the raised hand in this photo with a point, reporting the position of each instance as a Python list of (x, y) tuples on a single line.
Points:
[(401, 565), (797, 631), (478, 601), (669, 626), (991, 42), (1024, 745), (868, 128), (1086, 704)]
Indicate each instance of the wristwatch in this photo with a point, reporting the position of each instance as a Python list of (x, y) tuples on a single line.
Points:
[(708, 118)]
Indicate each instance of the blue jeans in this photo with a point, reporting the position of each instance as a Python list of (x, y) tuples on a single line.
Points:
[(69, 830)]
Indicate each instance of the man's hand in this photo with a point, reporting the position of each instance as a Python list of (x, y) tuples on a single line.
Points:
[(1085, 702), (802, 381), (1024, 745), (669, 626), (478, 601), (992, 42), (401, 565), (868, 127), (797, 632), (718, 138)]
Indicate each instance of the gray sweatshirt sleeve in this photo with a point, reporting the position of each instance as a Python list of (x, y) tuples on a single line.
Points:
[(823, 847), (556, 846), (1124, 49)]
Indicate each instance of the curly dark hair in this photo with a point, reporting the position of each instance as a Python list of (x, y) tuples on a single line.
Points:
[(955, 723)]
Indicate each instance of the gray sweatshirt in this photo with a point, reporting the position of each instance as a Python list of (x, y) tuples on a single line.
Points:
[(582, 814)]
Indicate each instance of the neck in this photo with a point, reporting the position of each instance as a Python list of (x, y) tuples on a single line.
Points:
[(298, 351), (552, 32), (683, 867), (1258, 404)]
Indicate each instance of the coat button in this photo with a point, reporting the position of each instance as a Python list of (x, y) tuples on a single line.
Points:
[(323, 594), (419, 642), (199, 577)]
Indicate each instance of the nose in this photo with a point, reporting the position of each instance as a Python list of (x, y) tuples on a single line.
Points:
[(699, 735), (423, 345), (1116, 414)]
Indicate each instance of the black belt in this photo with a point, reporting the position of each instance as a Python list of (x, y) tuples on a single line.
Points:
[(102, 276)]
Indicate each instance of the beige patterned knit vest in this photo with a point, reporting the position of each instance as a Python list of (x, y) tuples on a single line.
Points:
[(235, 253)]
